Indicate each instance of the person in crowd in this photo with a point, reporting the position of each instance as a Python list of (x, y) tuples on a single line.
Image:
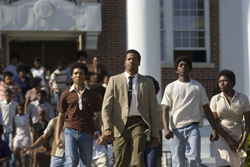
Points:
[(81, 56), (100, 156), (58, 82), (31, 95), (14, 61), (87, 81), (7, 83), (105, 81), (80, 103), (41, 156), (92, 78), (97, 68), (40, 126), (40, 104), (130, 117), (21, 134), (57, 155), (5, 153), (152, 156), (229, 109), (68, 69), (185, 98), (22, 80), (39, 71), (7, 115), (100, 153)]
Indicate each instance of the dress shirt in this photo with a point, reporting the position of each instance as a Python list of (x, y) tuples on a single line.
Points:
[(33, 107), (133, 109), (7, 112)]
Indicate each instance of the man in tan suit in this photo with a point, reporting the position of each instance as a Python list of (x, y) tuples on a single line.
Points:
[(130, 122)]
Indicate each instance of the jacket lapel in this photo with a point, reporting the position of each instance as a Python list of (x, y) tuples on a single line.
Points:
[(139, 88), (124, 86)]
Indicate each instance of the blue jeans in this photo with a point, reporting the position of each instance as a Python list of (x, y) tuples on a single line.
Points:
[(186, 143), (75, 140), (7, 137), (111, 156), (57, 96), (57, 161), (151, 155)]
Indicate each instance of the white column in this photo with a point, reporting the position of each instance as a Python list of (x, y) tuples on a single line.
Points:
[(233, 40), (143, 35), (246, 46)]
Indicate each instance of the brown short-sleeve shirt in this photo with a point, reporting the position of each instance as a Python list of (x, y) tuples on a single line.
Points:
[(81, 120)]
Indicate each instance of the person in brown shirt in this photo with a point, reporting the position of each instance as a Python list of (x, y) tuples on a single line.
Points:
[(78, 104)]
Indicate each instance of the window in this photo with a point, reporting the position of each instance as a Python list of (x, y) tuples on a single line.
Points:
[(186, 30)]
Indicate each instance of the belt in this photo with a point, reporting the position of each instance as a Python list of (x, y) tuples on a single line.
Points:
[(135, 117)]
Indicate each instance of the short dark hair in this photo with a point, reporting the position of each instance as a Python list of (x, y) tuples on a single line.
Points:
[(182, 58), (1, 130), (60, 62), (135, 52), (14, 55), (35, 81), (78, 65), (21, 105), (42, 92), (156, 83), (7, 73), (8, 91), (230, 74), (98, 88), (81, 53), (37, 59), (23, 67)]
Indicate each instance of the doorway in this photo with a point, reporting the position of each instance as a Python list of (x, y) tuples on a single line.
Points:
[(50, 52)]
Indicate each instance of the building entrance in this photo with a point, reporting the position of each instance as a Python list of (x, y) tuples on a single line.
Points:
[(49, 51)]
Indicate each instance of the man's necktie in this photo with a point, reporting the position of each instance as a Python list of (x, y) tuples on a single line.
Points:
[(130, 88)]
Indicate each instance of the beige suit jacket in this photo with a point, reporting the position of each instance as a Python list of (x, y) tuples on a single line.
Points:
[(115, 105)]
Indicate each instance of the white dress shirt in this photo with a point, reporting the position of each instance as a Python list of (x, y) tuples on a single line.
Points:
[(7, 114), (133, 109)]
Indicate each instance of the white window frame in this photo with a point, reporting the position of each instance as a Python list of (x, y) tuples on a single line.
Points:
[(169, 34)]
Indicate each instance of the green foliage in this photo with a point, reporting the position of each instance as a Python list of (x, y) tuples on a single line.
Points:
[(248, 152)]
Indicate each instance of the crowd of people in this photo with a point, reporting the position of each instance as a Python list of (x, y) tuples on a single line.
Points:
[(80, 116)]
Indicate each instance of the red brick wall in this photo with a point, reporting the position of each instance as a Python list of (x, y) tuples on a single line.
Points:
[(207, 76), (112, 40)]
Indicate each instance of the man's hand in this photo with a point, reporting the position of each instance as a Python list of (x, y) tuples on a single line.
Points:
[(101, 140), (233, 144), (59, 143), (168, 134), (27, 150), (214, 135), (154, 141), (108, 134), (96, 136)]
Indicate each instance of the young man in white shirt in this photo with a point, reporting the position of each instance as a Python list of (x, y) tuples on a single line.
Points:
[(7, 115), (185, 98)]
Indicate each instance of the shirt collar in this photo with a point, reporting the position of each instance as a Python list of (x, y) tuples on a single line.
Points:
[(73, 87), (5, 101), (127, 75), (235, 94)]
